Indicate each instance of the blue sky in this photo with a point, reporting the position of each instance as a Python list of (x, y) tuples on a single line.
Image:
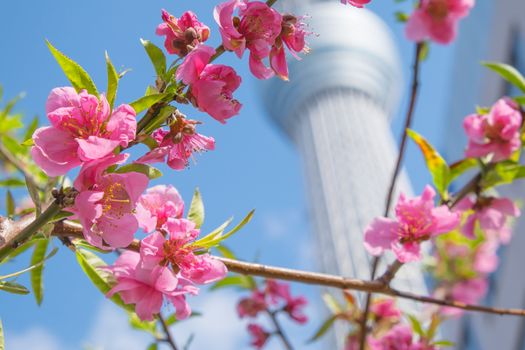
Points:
[(254, 166)]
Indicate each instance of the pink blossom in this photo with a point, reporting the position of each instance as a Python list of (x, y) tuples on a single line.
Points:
[(259, 335), (277, 291), (417, 221), (398, 337), (146, 287), (356, 3), (496, 133), (385, 308), (213, 92), (177, 249), (469, 292), (82, 129), (106, 202), (486, 258), (491, 213), (256, 29), (293, 36), (178, 144), (182, 34), (211, 85), (253, 305), (437, 20), (294, 308), (157, 205)]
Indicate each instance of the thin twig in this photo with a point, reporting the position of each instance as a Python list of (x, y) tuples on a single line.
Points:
[(169, 338), (74, 230), (19, 165), (393, 181), (279, 330)]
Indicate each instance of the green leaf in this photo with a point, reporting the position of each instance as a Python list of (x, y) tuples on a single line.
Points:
[(332, 303), (9, 203), (148, 170), (78, 77), (10, 105), (34, 194), (401, 16), (459, 168), (217, 236), (159, 119), (12, 182), (443, 343), (147, 326), (28, 135), (81, 243), (196, 212), (146, 102), (10, 123), (63, 214), (92, 266), (36, 274), (416, 325), (19, 250), (153, 346), (12, 287), (111, 93), (425, 50), (225, 251), (507, 72), (503, 173), (32, 267), (2, 342), (435, 163), (520, 100), (156, 56), (323, 329)]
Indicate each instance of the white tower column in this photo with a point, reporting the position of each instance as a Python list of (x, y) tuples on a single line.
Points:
[(336, 110)]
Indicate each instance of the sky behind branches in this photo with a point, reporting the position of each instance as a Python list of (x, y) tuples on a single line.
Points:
[(253, 166)]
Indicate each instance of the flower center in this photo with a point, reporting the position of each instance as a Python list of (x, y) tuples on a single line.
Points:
[(116, 200), (437, 9)]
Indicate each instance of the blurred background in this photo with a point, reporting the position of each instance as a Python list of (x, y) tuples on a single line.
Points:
[(268, 157)]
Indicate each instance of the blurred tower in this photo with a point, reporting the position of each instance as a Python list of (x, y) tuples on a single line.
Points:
[(494, 31), (336, 110)]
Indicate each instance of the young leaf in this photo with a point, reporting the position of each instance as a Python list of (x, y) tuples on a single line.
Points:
[(147, 326), (159, 119), (324, 328), (36, 274), (503, 173), (520, 100), (443, 343), (2, 342), (225, 251), (10, 203), (148, 170), (12, 182), (73, 71), (435, 163), (153, 346), (459, 168), (401, 17), (156, 56), (32, 267), (332, 303), (34, 194), (111, 93), (508, 73), (146, 102), (416, 325), (92, 266), (12, 287), (196, 212), (31, 129), (239, 281)]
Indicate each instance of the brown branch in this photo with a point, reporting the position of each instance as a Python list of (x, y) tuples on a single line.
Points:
[(74, 230), (279, 330), (169, 338), (393, 181)]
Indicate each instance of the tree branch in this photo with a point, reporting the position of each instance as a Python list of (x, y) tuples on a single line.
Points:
[(279, 331), (169, 338)]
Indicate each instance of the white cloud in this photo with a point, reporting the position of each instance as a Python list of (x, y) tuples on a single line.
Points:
[(33, 338), (111, 331)]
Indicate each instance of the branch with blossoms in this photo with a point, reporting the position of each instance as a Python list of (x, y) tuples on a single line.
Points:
[(108, 202)]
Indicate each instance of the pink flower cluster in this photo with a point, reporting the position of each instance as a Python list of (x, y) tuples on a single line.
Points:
[(177, 144), (274, 298), (83, 128), (264, 32), (418, 220), (437, 20), (182, 34), (169, 263), (496, 133), (399, 337), (211, 85)]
